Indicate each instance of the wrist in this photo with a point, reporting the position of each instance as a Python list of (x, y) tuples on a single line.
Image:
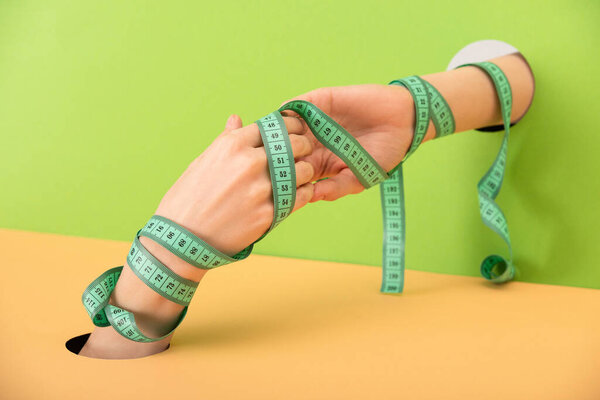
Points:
[(471, 94), (208, 231), (154, 314), (404, 101)]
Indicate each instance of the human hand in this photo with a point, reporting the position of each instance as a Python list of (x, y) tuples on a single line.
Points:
[(225, 195), (380, 117)]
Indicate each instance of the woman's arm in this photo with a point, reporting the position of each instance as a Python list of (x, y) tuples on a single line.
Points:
[(381, 117), (205, 200), (472, 97)]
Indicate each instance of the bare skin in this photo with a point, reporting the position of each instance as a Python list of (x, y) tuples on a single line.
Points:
[(224, 196), (381, 117)]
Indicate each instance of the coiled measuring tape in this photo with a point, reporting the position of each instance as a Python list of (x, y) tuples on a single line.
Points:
[(429, 105), (494, 267)]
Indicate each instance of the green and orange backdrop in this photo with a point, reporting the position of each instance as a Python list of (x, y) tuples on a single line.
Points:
[(104, 104)]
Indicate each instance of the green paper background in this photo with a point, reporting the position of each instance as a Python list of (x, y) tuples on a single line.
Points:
[(103, 104)]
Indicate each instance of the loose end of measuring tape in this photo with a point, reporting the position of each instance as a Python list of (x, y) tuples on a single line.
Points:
[(388, 288), (496, 269)]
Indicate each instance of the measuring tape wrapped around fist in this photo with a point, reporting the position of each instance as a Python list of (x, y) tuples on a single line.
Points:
[(429, 105)]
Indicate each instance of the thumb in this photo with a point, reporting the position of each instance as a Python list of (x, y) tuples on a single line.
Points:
[(233, 122), (337, 186)]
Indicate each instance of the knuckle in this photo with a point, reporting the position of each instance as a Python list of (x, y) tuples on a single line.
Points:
[(323, 93), (311, 170), (310, 191), (256, 160), (306, 144), (231, 141), (292, 122), (248, 159), (300, 144), (306, 193), (358, 188), (318, 91), (260, 190), (305, 170)]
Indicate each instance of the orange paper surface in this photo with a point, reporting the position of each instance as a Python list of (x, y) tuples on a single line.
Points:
[(278, 328)]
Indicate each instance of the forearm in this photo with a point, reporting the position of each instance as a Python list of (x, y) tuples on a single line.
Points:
[(224, 198), (471, 95), (154, 315)]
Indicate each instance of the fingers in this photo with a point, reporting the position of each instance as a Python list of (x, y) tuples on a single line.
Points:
[(304, 169), (304, 173), (337, 186), (293, 125), (251, 135), (301, 145), (303, 195), (233, 122)]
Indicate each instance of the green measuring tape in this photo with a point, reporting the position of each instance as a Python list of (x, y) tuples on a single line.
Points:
[(494, 267), (281, 166), (429, 105)]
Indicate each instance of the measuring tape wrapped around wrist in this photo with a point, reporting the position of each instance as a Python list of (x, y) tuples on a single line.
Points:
[(155, 275), (494, 267), (187, 245), (429, 105), (95, 300), (194, 250)]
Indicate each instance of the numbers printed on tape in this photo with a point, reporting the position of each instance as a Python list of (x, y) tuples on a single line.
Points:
[(340, 142), (282, 168), (494, 267), (158, 277), (186, 245), (429, 105), (95, 300)]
